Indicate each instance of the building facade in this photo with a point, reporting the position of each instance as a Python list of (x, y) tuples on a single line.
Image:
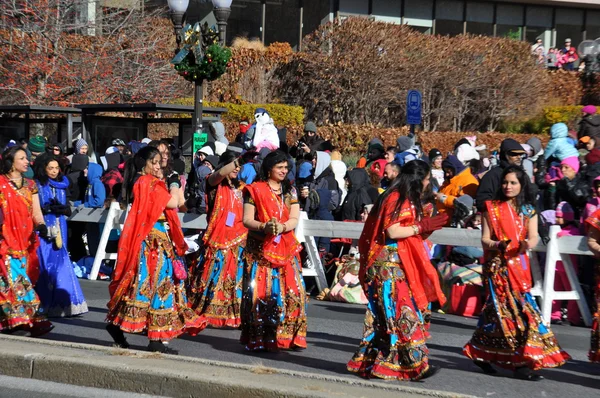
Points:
[(289, 20)]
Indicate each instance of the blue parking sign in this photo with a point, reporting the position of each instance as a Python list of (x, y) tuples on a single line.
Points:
[(413, 107)]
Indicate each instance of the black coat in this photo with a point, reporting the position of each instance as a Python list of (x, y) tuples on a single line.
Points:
[(589, 126), (576, 192)]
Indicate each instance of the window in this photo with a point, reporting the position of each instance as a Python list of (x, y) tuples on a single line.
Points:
[(569, 25), (509, 21), (480, 18), (419, 13), (593, 25), (449, 17), (388, 11), (282, 14), (353, 7), (539, 25)]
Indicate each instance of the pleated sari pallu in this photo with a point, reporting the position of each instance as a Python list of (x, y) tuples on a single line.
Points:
[(19, 266), (274, 298), (216, 283), (146, 296), (594, 355), (510, 332), (399, 281)]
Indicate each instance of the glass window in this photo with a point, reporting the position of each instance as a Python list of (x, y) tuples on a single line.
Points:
[(569, 25), (539, 25), (357, 7), (419, 13), (593, 25), (388, 11), (284, 13), (509, 21), (244, 21), (480, 18), (449, 17)]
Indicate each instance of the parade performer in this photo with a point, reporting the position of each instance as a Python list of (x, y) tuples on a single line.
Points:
[(399, 281), (274, 298), (57, 286), (148, 288), (593, 224), (216, 290), (510, 332), (20, 218)]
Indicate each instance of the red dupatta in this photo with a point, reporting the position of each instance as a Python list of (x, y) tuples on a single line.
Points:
[(218, 234), (421, 275), (150, 201), (268, 206), (18, 237), (508, 225), (593, 221)]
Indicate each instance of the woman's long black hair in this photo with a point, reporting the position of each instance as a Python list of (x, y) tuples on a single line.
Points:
[(409, 185), (8, 158), (40, 172), (133, 167), (269, 162), (525, 197)]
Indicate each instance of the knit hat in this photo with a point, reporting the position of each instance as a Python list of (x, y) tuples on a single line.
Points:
[(37, 144), (310, 126), (111, 149), (80, 144), (146, 140), (453, 163), (434, 153), (572, 162), (213, 160), (206, 150), (11, 143), (565, 211), (403, 143), (589, 109)]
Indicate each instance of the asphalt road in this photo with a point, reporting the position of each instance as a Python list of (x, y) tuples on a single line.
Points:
[(14, 387), (334, 331)]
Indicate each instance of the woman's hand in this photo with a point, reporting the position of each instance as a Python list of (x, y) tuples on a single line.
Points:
[(523, 247)]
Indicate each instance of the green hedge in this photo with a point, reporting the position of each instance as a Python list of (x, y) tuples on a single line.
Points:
[(541, 124), (283, 115)]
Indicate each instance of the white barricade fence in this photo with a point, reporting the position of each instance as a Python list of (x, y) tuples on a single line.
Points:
[(557, 249)]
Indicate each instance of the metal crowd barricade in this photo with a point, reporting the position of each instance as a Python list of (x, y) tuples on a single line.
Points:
[(557, 249)]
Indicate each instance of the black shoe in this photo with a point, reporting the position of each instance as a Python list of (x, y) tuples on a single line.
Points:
[(158, 346), (117, 335), (487, 367), (524, 373), (430, 372)]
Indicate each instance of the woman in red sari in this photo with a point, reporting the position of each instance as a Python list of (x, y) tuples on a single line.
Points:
[(510, 332), (148, 288), (274, 299), (20, 218), (399, 281), (593, 224), (216, 287)]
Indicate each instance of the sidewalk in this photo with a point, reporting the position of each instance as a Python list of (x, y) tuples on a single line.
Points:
[(179, 376)]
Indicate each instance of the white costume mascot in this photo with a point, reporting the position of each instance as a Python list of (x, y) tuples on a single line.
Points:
[(263, 134)]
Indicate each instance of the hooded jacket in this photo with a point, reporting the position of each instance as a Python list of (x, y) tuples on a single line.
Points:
[(358, 194), (95, 194), (589, 126), (326, 187), (77, 181), (490, 183), (463, 183), (404, 144), (559, 146)]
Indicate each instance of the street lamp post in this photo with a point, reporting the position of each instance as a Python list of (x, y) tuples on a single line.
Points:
[(222, 9), (203, 38)]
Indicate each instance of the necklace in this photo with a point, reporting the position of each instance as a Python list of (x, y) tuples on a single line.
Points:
[(275, 190), (14, 180)]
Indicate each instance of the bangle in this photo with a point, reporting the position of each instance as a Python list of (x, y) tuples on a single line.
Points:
[(261, 226), (284, 227), (415, 229)]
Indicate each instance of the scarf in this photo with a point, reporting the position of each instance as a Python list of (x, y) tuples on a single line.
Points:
[(508, 225), (421, 275), (228, 208)]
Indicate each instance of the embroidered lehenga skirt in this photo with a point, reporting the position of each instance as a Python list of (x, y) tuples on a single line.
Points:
[(19, 303), (510, 332), (216, 287), (156, 302), (393, 344), (273, 303)]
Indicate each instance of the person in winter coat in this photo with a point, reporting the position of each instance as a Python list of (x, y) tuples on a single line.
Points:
[(217, 130), (375, 151), (339, 170), (559, 146), (77, 180), (359, 194), (403, 150), (324, 180), (511, 153), (435, 161), (309, 143), (459, 181), (573, 188), (95, 194), (589, 125)]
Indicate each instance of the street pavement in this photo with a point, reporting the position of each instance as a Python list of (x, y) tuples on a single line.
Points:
[(15, 387), (334, 331)]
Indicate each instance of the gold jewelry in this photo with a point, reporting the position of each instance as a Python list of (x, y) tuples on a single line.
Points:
[(415, 229)]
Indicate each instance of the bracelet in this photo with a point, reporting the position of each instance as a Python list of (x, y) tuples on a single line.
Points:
[(284, 227), (261, 226), (415, 229)]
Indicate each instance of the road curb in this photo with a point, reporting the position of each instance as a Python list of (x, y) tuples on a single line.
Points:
[(178, 376)]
